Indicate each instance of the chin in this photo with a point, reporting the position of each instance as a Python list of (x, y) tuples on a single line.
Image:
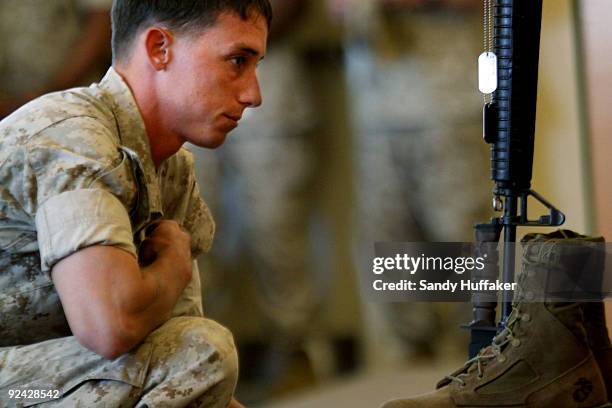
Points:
[(216, 142), (211, 141)]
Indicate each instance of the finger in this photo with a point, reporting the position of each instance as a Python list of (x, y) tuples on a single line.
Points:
[(156, 219), (161, 226), (146, 253), (152, 226)]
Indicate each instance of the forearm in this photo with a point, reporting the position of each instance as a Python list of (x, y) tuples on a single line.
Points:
[(146, 303), (125, 301)]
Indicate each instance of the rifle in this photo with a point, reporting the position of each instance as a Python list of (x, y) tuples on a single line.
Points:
[(509, 126)]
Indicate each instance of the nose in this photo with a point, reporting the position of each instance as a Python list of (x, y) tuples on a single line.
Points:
[(251, 94)]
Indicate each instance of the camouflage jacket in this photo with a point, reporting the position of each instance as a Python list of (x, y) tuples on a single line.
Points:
[(76, 171)]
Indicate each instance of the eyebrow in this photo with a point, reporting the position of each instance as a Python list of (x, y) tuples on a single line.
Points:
[(249, 50)]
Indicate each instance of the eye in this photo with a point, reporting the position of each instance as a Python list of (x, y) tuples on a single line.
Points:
[(238, 60)]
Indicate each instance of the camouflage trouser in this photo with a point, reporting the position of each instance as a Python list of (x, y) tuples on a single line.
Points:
[(187, 362), (421, 165), (256, 185)]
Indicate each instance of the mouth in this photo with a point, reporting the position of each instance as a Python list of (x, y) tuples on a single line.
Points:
[(235, 118), (231, 122)]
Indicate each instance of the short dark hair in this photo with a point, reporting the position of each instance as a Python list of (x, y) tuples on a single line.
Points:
[(130, 16)]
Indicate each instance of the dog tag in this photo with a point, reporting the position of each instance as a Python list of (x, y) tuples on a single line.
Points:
[(487, 72)]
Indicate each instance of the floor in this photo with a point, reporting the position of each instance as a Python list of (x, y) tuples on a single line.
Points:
[(369, 390)]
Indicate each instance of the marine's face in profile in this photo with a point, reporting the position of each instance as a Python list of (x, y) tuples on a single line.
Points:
[(213, 78)]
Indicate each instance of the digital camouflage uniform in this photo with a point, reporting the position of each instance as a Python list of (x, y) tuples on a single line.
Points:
[(421, 166), (36, 38), (76, 171)]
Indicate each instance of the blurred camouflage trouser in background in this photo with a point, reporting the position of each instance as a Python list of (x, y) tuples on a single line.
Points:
[(257, 187), (187, 362), (421, 166)]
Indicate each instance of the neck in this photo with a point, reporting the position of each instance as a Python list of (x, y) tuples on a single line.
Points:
[(162, 142)]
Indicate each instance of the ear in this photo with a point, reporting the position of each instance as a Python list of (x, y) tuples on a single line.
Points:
[(158, 43)]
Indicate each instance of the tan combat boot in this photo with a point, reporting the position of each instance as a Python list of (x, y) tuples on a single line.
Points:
[(541, 359), (599, 341)]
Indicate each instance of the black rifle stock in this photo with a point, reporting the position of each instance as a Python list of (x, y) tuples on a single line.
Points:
[(509, 126)]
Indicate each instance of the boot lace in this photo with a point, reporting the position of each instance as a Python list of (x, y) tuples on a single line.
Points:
[(494, 351)]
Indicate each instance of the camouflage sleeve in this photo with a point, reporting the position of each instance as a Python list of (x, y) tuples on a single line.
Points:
[(84, 189), (73, 220)]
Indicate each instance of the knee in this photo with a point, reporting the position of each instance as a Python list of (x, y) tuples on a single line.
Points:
[(222, 341), (214, 346), (207, 346)]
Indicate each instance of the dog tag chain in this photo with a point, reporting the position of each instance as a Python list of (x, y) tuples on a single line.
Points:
[(487, 61)]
